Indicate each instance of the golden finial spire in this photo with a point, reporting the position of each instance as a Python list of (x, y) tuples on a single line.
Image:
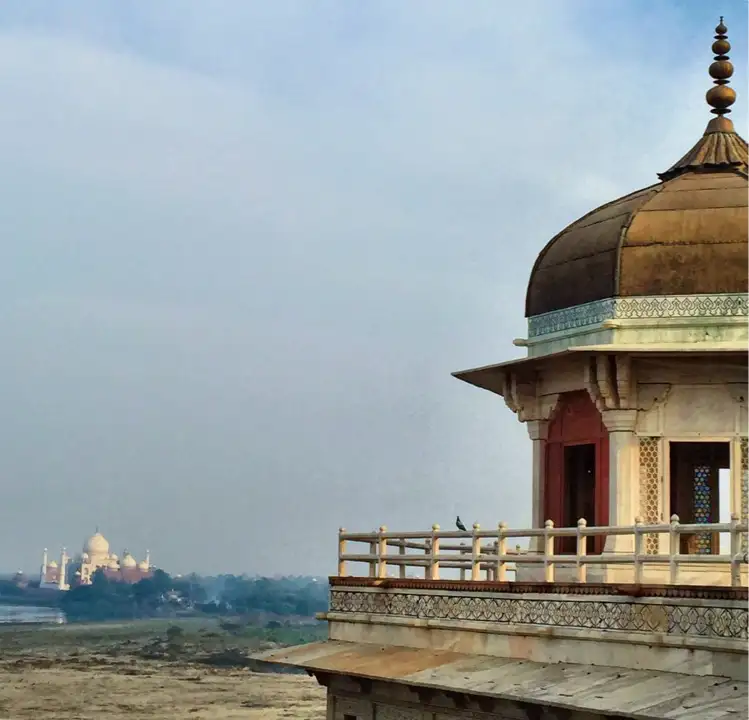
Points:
[(721, 97), (720, 148)]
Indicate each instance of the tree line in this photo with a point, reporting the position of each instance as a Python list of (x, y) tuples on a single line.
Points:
[(162, 594)]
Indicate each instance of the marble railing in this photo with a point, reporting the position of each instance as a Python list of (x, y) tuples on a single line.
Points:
[(487, 555)]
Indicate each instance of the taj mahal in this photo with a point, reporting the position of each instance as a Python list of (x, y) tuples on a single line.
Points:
[(72, 571)]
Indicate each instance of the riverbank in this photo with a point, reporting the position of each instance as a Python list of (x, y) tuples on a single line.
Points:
[(155, 669)]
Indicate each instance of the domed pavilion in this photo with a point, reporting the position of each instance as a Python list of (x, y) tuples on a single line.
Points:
[(625, 602), (634, 388)]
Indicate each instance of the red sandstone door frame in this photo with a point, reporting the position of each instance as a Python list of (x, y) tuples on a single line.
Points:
[(577, 422)]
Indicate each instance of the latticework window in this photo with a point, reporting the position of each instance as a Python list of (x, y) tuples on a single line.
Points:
[(702, 507), (650, 481)]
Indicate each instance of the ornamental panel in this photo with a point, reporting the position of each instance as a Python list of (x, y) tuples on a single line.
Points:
[(594, 614), (654, 307), (650, 483)]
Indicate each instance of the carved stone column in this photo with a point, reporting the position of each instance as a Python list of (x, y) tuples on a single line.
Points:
[(538, 431), (624, 479)]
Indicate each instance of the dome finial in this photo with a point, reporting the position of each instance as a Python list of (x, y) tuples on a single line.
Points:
[(721, 97)]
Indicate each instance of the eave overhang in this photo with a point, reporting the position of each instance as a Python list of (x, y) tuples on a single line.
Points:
[(493, 377)]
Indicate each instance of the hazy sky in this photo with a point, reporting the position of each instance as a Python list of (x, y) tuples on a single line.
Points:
[(245, 243)]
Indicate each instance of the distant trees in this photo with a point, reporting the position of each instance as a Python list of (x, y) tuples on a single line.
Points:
[(101, 600), (285, 596), (161, 594)]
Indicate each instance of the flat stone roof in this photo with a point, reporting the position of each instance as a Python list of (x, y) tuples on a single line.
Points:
[(611, 691)]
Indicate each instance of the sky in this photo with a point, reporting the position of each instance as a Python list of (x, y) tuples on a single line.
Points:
[(245, 243)]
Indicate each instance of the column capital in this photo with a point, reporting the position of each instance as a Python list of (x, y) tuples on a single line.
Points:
[(620, 420), (537, 429)]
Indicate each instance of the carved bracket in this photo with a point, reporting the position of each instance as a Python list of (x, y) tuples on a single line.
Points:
[(521, 398), (609, 381), (425, 694), (364, 685), (321, 677)]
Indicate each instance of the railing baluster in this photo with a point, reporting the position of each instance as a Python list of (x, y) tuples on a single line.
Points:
[(673, 550), (401, 554), (428, 564), (582, 551), (639, 537), (735, 551), (382, 550), (548, 551), (501, 552), (462, 553), (373, 559), (434, 573), (476, 553)]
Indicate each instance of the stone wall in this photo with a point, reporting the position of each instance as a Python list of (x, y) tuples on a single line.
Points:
[(347, 700)]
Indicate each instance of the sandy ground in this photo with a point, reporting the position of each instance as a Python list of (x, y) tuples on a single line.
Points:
[(59, 674)]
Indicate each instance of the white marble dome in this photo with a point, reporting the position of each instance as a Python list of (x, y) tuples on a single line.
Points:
[(96, 546)]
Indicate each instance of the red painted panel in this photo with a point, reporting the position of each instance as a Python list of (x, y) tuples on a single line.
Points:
[(576, 421)]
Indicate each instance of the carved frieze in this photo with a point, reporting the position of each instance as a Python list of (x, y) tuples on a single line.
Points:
[(668, 618), (638, 308)]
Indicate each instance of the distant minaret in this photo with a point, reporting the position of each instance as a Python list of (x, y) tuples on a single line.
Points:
[(148, 558), (61, 577), (43, 576)]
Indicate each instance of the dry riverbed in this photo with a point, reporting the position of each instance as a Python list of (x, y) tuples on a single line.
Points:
[(148, 669)]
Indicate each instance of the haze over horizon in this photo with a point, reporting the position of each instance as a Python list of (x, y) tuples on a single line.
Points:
[(246, 243)]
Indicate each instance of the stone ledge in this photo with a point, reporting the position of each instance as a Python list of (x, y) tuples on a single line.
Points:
[(651, 640), (696, 592)]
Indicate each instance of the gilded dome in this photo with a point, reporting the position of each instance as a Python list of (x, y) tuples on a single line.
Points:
[(96, 545), (143, 565), (128, 561), (686, 235), (52, 564)]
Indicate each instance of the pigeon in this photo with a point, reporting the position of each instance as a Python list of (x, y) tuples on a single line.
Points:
[(459, 524)]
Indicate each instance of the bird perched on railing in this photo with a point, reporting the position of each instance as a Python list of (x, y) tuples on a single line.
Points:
[(459, 524)]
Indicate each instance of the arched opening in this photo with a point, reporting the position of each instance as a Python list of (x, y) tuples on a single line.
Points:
[(576, 484)]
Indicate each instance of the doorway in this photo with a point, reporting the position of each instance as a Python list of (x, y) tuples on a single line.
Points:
[(579, 484), (576, 478), (696, 490)]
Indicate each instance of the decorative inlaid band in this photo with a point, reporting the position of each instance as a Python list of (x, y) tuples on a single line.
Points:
[(669, 618), (636, 308)]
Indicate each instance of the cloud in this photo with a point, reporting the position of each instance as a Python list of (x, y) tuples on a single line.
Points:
[(250, 242)]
